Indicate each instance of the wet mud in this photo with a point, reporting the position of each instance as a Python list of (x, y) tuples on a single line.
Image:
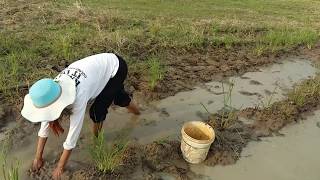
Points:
[(189, 70)]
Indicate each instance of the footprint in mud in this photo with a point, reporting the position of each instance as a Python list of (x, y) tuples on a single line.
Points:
[(217, 93), (2, 112), (244, 77), (269, 93), (202, 116), (149, 123), (246, 93), (254, 82), (164, 113), (278, 134), (200, 176), (2, 115), (318, 124)]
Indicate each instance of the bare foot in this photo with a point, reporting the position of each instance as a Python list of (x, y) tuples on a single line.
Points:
[(132, 108)]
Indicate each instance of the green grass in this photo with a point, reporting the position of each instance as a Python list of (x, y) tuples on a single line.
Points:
[(228, 114), (156, 71), (107, 158), (9, 171), (49, 32), (288, 38), (227, 95), (267, 102)]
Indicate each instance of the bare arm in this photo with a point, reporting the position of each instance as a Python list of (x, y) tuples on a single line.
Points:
[(56, 174), (64, 158), (40, 147), (76, 121), (38, 161)]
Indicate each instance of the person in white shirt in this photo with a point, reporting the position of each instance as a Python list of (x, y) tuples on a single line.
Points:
[(98, 77)]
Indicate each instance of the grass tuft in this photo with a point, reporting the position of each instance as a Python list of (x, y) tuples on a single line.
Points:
[(107, 158), (267, 102), (300, 94), (289, 38), (227, 116), (8, 171), (156, 71)]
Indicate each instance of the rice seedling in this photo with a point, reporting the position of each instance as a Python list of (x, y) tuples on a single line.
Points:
[(10, 171), (227, 96), (268, 101), (156, 71), (212, 117), (107, 157), (227, 114)]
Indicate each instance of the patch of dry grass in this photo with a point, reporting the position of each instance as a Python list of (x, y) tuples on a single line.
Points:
[(305, 91)]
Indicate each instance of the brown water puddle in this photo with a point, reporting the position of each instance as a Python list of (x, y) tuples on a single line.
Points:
[(163, 119)]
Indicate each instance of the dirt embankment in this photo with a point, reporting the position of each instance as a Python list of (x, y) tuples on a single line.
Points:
[(184, 71)]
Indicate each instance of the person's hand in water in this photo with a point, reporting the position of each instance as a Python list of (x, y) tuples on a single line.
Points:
[(38, 160), (37, 164), (132, 108), (57, 173)]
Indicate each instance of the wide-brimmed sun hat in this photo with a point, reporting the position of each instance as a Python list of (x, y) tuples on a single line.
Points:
[(47, 98)]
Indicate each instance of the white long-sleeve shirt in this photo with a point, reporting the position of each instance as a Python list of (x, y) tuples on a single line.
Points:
[(91, 75)]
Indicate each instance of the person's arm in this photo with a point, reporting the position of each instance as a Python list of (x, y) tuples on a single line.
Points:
[(61, 164), (38, 160), (43, 134), (76, 121), (40, 147)]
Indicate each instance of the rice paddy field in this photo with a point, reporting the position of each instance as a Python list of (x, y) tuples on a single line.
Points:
[(248, 68)]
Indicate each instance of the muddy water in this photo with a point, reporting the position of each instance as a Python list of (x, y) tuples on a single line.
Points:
[(164, 119), (294, 156)]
